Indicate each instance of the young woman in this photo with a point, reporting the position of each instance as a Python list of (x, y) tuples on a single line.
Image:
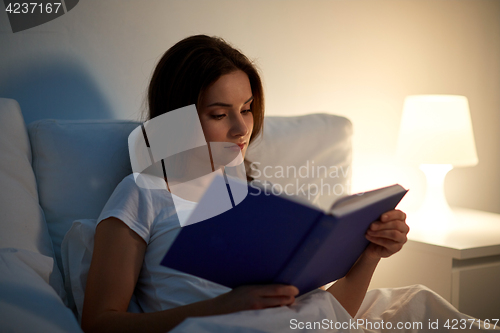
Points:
[(137, 224)]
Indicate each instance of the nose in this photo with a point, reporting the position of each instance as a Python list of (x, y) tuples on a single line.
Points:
[(238, 126)]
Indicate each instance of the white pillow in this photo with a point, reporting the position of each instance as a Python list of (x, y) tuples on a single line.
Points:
[(22, 223), (76, 251), (77, 166), (309, 156), (27, 302)]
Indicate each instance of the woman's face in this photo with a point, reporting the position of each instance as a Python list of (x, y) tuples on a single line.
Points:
[(225, 113)]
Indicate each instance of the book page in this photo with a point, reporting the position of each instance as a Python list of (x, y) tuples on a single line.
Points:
[(357, 201)]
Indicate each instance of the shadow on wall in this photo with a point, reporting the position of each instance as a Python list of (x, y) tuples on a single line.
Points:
[(55, 89)]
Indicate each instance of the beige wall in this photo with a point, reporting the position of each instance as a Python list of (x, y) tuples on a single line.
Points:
[(356, 58)]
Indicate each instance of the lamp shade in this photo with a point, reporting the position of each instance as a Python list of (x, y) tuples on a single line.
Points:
[(437, 129)]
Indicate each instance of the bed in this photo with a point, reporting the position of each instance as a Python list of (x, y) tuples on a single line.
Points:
[(53, 173)]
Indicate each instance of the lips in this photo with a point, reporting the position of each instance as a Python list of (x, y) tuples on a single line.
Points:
[(240, 145)]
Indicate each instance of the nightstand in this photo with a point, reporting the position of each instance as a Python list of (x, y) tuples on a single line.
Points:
[(462, 264)]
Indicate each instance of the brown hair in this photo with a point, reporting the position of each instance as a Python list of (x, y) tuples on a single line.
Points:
[(189, 67)]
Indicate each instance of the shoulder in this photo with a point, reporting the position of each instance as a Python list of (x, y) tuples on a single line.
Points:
[(139, 197), (138, 205), (148, 187)]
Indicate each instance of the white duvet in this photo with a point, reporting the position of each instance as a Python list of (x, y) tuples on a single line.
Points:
[(24, 294), (408, 309)]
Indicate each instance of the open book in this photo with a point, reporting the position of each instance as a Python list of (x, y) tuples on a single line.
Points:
[(272, 239)]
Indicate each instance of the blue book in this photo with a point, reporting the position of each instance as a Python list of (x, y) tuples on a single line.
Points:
[(274, 239)]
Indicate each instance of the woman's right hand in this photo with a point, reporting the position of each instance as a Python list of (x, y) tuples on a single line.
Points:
[(256, 297)]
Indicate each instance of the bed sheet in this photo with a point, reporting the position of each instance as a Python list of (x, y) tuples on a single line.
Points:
[(408, 309), (28, 303)]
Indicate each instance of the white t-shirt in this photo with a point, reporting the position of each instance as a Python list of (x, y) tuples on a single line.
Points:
[(152, 215)]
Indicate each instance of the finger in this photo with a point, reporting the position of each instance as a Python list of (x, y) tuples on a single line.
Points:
[(277, 290), (389, 245), (396, 225), (268, 302), (394, 214), (391, 234)]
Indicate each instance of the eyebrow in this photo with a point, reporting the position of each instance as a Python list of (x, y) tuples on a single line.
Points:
[(228, 105)]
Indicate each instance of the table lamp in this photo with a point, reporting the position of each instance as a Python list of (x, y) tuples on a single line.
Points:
[(436, 133)]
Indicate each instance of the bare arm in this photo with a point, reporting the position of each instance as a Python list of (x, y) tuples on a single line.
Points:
[(387, 237), (113, 274), (351, 289)]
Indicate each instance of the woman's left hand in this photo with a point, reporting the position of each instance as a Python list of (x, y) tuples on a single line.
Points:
[(387, 235)]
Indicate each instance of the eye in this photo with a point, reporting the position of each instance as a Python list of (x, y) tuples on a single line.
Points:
[(218, 116), (246, 111)]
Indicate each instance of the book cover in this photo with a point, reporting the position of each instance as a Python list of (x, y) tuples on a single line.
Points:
[(272, 239)]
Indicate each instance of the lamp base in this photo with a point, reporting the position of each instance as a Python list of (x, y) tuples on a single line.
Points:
[(435, 213)]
